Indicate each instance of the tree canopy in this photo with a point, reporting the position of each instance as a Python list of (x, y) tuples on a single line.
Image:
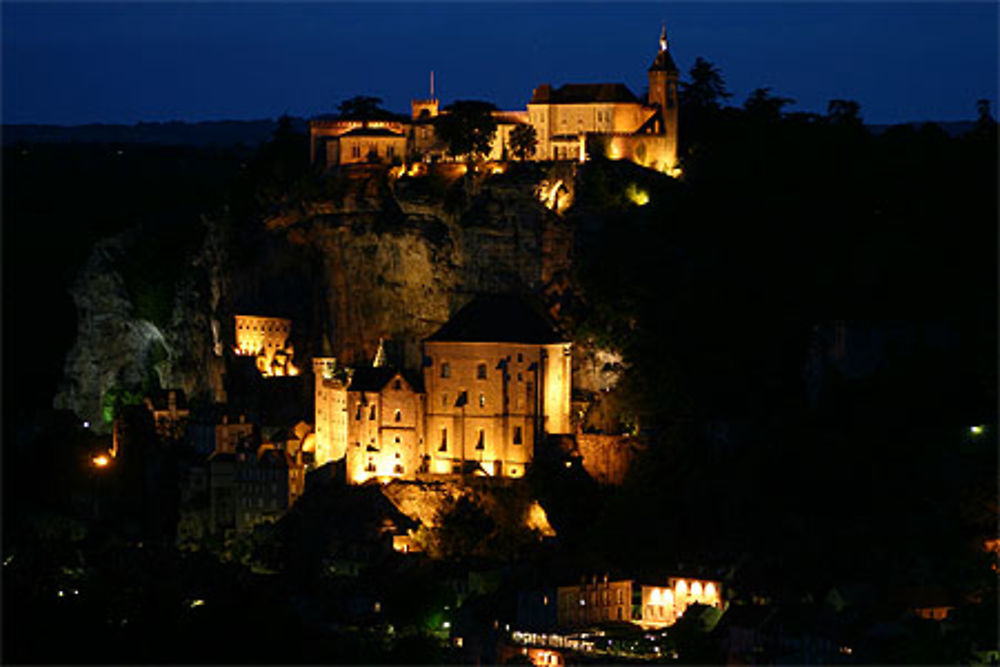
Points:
[(360, 106), (706, 89), (523, 141), (467, 127)]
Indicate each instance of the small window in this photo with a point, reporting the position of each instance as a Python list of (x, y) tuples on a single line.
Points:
[(445, 369), (397, 385), (481, 443), (371, 414), (444, 400), (482, 400), (397, 442), (481, 372), (520, 377), (517, 435), (444, 440), (520, 357), (357, 415), (398, 416)]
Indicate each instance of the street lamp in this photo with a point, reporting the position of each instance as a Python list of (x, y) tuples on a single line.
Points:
[(100, 461)]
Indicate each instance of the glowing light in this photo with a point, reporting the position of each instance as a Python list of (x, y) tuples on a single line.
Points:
[(636, 196), (446, 625), (86, 424), (101, 461), (61, 594), (654, 597), (668, 596), (710, 590), (976, 430), (696, 589), (197, 603), (681, 587)]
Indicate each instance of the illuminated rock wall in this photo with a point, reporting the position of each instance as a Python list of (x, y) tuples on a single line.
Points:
[(606, 458)]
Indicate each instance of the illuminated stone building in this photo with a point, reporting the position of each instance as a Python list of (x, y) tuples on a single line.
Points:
[(595, 602), (266, 338), (330, 437), (496, 379), (648, 606), (572, 122), (384, 425), (663, 605)]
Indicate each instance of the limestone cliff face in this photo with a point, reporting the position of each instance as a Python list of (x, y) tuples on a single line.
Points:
[(385, 257), (115, 348)]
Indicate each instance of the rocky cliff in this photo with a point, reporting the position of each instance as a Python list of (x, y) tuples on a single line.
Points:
[(383, 255)]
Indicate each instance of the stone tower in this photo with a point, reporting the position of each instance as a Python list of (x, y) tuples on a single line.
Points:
[(663, 77)]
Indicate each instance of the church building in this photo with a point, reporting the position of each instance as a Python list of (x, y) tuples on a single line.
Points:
[(495, 380)]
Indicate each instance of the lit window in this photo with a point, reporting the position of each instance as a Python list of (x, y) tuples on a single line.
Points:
[(482, 400)]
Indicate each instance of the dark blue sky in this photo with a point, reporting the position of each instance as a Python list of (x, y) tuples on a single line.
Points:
[(126, 62)]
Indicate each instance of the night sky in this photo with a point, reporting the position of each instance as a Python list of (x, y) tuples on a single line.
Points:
[(129, 62)]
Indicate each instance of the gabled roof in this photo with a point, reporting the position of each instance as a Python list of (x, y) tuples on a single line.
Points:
[(583, 93), (663, 62), (498, 319)]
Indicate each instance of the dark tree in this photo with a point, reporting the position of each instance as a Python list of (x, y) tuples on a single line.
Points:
[(984, 121), (844, 112), (467, 127), (523, 141), (765, 106), (360, 106), (707, 89)]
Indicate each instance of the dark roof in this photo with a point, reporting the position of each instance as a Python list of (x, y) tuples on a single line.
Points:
[(583, 93), (499, 319), (376, 114), (663, 62), (372, 378), (371, 132)]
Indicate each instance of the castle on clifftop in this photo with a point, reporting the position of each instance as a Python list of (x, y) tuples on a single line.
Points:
[(573, 122)]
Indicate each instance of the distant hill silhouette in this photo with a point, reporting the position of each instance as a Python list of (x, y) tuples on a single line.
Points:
[(174, 133)]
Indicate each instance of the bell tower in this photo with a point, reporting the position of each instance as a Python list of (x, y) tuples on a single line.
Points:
[(663, 76)]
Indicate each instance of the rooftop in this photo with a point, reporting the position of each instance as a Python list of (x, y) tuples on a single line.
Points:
[(498, 319), (583, 93)]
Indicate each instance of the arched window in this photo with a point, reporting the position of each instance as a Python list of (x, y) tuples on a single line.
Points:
[(398, 416), (371, 414)]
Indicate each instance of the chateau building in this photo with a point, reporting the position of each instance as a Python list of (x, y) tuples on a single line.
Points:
[(572, 122), (495, 379)]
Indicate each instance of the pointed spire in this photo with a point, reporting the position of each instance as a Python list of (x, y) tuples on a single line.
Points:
[(663, 37), (380, 359)]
